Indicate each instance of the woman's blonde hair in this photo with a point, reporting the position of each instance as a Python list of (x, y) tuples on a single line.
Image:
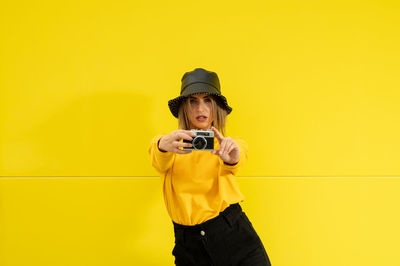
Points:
[(219, 115)]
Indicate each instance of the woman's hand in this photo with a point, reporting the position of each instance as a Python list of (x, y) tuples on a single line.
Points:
[(171, 142), (229, 151)]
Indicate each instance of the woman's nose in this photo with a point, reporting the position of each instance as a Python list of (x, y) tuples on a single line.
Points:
[(200, 107)]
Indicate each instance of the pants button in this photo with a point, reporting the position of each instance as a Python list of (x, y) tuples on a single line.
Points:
[(202, 233)]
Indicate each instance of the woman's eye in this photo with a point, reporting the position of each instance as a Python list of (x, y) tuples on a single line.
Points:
[(208, 100)]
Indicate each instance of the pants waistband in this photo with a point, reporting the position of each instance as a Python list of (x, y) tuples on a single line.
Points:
[(227, 217)]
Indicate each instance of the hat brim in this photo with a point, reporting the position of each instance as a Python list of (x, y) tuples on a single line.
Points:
[(176, 102)]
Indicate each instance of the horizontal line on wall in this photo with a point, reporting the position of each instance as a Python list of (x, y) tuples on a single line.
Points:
[(335, 176)]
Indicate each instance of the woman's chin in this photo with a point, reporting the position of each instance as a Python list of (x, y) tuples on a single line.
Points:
[(202, 126)]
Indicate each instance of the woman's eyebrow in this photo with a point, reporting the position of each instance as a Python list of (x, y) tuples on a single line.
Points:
[(191, 97)]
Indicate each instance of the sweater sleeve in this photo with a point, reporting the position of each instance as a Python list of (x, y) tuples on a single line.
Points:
[(161, 161), (234, 169)]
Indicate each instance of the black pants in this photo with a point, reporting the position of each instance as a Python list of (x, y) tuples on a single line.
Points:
[(228, 239)]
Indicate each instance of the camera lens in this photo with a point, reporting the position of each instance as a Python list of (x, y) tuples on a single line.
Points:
[(199, 143)]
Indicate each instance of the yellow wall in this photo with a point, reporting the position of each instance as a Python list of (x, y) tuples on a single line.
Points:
[(84, 85), (123, 221)]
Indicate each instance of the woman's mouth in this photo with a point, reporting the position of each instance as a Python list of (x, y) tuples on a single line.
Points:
[(201, 118)]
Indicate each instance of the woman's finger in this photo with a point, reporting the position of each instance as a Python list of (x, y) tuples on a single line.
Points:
[(184, 135), (181, 144), (182, 151), (229, 147), (188, 132), (217, 134), (222, 147)]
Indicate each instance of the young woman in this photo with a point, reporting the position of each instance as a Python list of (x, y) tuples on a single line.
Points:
[(200, 189)]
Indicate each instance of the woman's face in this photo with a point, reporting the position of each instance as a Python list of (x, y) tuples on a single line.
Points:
[(200, 115)]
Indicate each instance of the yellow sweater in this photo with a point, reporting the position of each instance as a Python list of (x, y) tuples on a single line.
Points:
[(198, 185)]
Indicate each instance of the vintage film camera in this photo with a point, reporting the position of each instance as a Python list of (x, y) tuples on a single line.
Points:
[(203, 141)]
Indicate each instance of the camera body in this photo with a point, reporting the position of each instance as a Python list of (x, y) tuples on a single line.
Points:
[(203, 141)]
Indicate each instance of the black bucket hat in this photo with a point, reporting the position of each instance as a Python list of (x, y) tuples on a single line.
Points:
[(196, 82)]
